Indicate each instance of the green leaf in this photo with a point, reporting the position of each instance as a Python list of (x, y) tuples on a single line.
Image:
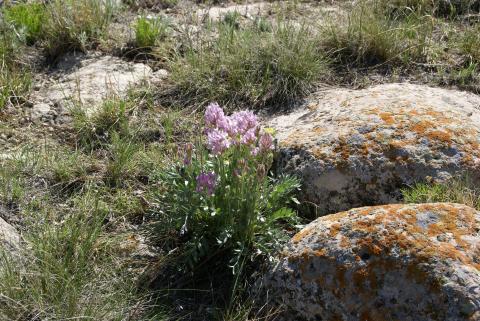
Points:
[(282, 213), (295, 200)]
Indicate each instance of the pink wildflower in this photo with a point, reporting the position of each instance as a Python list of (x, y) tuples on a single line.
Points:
[(249, 137), (254, 151), (244, 120), (265, 142), (213, 115), (206, 182), (217, 141)]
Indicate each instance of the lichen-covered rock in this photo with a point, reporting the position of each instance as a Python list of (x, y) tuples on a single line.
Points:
[(391, 262), (359, 147)]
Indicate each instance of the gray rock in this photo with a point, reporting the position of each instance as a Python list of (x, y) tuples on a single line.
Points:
[(9, 238), (360, 147), (247, 10), (88, 81), (392, 262)]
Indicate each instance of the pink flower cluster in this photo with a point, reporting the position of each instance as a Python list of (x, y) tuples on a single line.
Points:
[(240, 128), (206, 182)]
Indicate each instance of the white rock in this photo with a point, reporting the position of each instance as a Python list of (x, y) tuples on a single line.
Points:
[(247, 10), (88, 81)]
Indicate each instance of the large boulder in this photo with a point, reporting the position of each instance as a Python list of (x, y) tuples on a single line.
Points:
[(360, 147), (391, 262)]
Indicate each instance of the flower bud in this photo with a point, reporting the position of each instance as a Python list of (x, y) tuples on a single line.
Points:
[(187, 160), (261, 171)]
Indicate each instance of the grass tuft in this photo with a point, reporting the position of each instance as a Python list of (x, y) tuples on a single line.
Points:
[(371, 36), (123, 160), (28, 18), (95, 129), (149, 31), (75, 25), (245, 66), (462, 191), (65, 273), (15, 79)]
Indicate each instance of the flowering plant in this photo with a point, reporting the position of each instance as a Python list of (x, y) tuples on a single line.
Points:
[(219, 196)]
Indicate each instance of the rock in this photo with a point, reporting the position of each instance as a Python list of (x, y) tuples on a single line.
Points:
[(360, 147), (246, 10), (40, 109), (391, 262), (88, 80), (9, 238), (160, 74)]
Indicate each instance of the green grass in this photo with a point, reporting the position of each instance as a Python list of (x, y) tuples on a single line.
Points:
[(14, 84), (28, 18), (438, 8), (231, 19), (66, 273), (150, 31), (68, 170), (248, 67), (61, 25), (410, 39), (463, 191), (470, 43), (72, 265), (15, 78), (371, 36), (93, 130), (75, 25), (122, 160)]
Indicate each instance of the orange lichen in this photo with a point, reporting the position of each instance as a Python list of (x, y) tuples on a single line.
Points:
[(334, 229), (344, 242), (301, 235), (387, 118), (341, 280), (439, 135), (421, 127), (343, 148), (451, 219), (400, 121)]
